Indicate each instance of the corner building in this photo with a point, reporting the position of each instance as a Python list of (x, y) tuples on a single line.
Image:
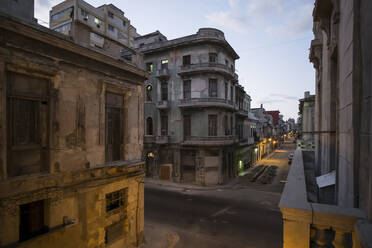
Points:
[(190, 126)]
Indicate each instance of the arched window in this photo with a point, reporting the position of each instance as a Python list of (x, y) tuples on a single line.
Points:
[(149, 130), (149, 93)]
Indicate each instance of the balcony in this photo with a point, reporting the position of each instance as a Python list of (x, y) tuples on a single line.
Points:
[(209, 140), (163, 105), (163, 73), (205, 103), (308, 223), (149, 139), (223, 69), (242, 112), (163, 139)]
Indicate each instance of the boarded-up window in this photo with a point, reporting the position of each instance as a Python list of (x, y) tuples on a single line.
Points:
[(212, 57), (164, 125), (114, 232), (212, 125), (186, 60), (212, 87), (225, 125), (28, 117), (226, 90), (114, 126), (116, 199), (187, 125), (149, 126), (187, 89), (164, 91), (31, 220)]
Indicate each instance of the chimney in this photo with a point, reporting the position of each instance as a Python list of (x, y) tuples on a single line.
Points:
[(307, 94)]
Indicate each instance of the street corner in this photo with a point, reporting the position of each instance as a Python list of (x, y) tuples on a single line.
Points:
[(159, 236)]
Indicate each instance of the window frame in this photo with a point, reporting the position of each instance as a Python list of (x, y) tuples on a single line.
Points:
[(213, 87), (212, 125), (186, 60)]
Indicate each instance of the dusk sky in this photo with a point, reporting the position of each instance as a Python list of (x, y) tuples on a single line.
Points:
[(272, 38)]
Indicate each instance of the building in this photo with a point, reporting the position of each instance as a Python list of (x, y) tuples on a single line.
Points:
[(264, 132), (71, 173), (327, 201), (104, 29), (190, 107), (307, 114)]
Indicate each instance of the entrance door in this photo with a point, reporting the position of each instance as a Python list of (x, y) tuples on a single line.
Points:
[(188, 166)]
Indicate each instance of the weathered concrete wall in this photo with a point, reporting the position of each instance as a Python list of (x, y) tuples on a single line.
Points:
[(77, 179)]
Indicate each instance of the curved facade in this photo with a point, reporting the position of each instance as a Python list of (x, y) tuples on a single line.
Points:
[(190, 96)]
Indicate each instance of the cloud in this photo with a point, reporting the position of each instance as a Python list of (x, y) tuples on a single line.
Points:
[(275, 17), (297, 22), (283, 96), (42, 8), (231, 19)]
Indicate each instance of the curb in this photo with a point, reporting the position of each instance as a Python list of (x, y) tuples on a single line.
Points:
[(186, 187)]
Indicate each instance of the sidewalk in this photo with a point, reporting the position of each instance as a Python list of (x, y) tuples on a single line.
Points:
[(150, 182)]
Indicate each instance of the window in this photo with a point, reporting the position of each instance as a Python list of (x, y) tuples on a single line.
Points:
[(66, 12), (114, 232), (225, 125), (164, 64), (226, 90), (111, 28), (97, 21), (164, 91), (64, 28), (231, 93), (116, 199), (32, 220), (114, 126), (226, 62), (187, 125), (96, 40), (164, 125), (187, 89), (232, 68), (212, 87), (124, 23), (84, 14), (28, 129), (110, 14), (150, 67), (149, 126), (149, 93), (212, 57), (186, 60), (212, 125)]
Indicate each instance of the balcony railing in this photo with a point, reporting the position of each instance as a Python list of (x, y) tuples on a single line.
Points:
[(242, 112), (162, 105), (209, 140), (206, 102), (207, 67), (163, 139), (149, 139), (163, 73), (310, 224)]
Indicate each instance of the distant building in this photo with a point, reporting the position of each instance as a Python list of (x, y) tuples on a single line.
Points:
[(71, 173), (307, 114), (327, 200), (104, 29)]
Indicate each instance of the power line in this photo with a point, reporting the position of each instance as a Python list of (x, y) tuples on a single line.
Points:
[(280, 43)]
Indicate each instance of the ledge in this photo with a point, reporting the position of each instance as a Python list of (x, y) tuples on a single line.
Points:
[(295, 205)]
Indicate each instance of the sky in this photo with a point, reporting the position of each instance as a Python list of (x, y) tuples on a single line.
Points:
[(272, 38)]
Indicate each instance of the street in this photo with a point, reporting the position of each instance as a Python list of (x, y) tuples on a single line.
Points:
[(244, 215)]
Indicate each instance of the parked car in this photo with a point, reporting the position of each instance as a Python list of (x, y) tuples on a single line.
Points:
[(290, 157)]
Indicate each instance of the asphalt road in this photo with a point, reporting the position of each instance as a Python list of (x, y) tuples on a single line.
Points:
[(239, 217)]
